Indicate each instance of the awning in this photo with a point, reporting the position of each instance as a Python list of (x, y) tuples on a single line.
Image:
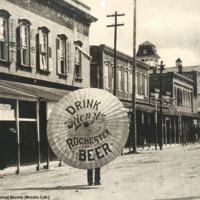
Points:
[(140, 107), (22, 91)]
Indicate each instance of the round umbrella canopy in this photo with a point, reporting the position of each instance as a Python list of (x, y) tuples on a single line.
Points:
[(88, 128)]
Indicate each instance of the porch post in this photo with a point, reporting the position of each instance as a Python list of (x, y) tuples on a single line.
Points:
[(170, 130), (18, 137), (174, 129), (47, 117), (38, 133)]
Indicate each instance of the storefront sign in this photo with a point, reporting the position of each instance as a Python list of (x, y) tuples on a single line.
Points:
[(7, 115)]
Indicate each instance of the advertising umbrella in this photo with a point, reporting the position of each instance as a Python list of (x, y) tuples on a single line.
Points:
[(88, 128)]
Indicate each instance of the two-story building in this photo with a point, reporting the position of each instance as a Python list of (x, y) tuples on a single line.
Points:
[(102, 76), (179, 99), (44, 54), (181, 112)]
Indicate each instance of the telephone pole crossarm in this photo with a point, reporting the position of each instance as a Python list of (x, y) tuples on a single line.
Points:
[(113, 25)]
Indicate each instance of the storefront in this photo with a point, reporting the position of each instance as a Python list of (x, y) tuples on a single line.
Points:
[(24, 110)]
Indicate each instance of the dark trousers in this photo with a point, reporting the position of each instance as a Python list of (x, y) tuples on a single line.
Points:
[(90, 176)]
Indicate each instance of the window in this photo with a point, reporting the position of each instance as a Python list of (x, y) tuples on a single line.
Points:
[(179, 97), (78, 60), (146, 87), (151, 63), (45, 51), (144, 51), (24, 38), (175, 96), (138, 83), (141, 85), (120, 80), (106, 74), (125, 81), (131, 83), (62, 65), (113, 78), (4, 53)]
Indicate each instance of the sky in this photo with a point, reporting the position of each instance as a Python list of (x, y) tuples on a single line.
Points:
[(171, 25)]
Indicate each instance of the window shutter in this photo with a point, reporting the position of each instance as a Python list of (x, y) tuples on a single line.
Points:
[(6, 41), (58, 55), (50, 52), (12, 41), (32, 47), (68, 56)]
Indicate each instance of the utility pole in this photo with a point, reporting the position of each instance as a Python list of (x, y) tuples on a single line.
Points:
[(115, 45), (161, 101), (133, 81)]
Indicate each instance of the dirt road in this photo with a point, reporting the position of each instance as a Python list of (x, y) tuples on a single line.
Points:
[(173, 173)]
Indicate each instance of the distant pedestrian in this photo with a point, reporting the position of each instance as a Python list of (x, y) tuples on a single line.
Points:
[(97, 177)]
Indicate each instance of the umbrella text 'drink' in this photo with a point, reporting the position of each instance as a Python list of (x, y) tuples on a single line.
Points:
[(88, 128)]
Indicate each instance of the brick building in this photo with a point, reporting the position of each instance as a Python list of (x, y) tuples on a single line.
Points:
[(179, 98), (181, 107), (102, 76), (44, 54)]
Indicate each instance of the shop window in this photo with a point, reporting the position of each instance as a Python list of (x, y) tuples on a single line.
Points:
[(62, 54)]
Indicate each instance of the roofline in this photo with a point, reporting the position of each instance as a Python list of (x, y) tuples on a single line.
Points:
[(120, 53)]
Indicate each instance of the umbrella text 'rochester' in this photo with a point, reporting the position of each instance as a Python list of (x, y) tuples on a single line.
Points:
[(75, 141), (89, 103)]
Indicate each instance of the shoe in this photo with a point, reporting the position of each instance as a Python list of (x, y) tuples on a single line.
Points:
[(90, 183), (97, 183)]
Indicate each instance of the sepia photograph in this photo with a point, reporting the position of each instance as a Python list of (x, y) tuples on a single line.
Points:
[(99, 99)]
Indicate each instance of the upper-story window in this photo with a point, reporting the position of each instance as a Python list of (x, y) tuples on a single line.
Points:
[(62, 54), (23, 36), (4, 36), (179, 97), (112, 77), (175, 96), (137, 83), (120, 79), (125, 81), (141, 86), (106, 76), (45, 50), (78, 60), (146, 86), (131, 83)]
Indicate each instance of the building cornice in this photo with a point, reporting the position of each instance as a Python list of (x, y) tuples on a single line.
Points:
[(65, 8), (123, 56)]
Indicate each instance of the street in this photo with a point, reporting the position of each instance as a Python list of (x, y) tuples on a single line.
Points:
[(173, 173)]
